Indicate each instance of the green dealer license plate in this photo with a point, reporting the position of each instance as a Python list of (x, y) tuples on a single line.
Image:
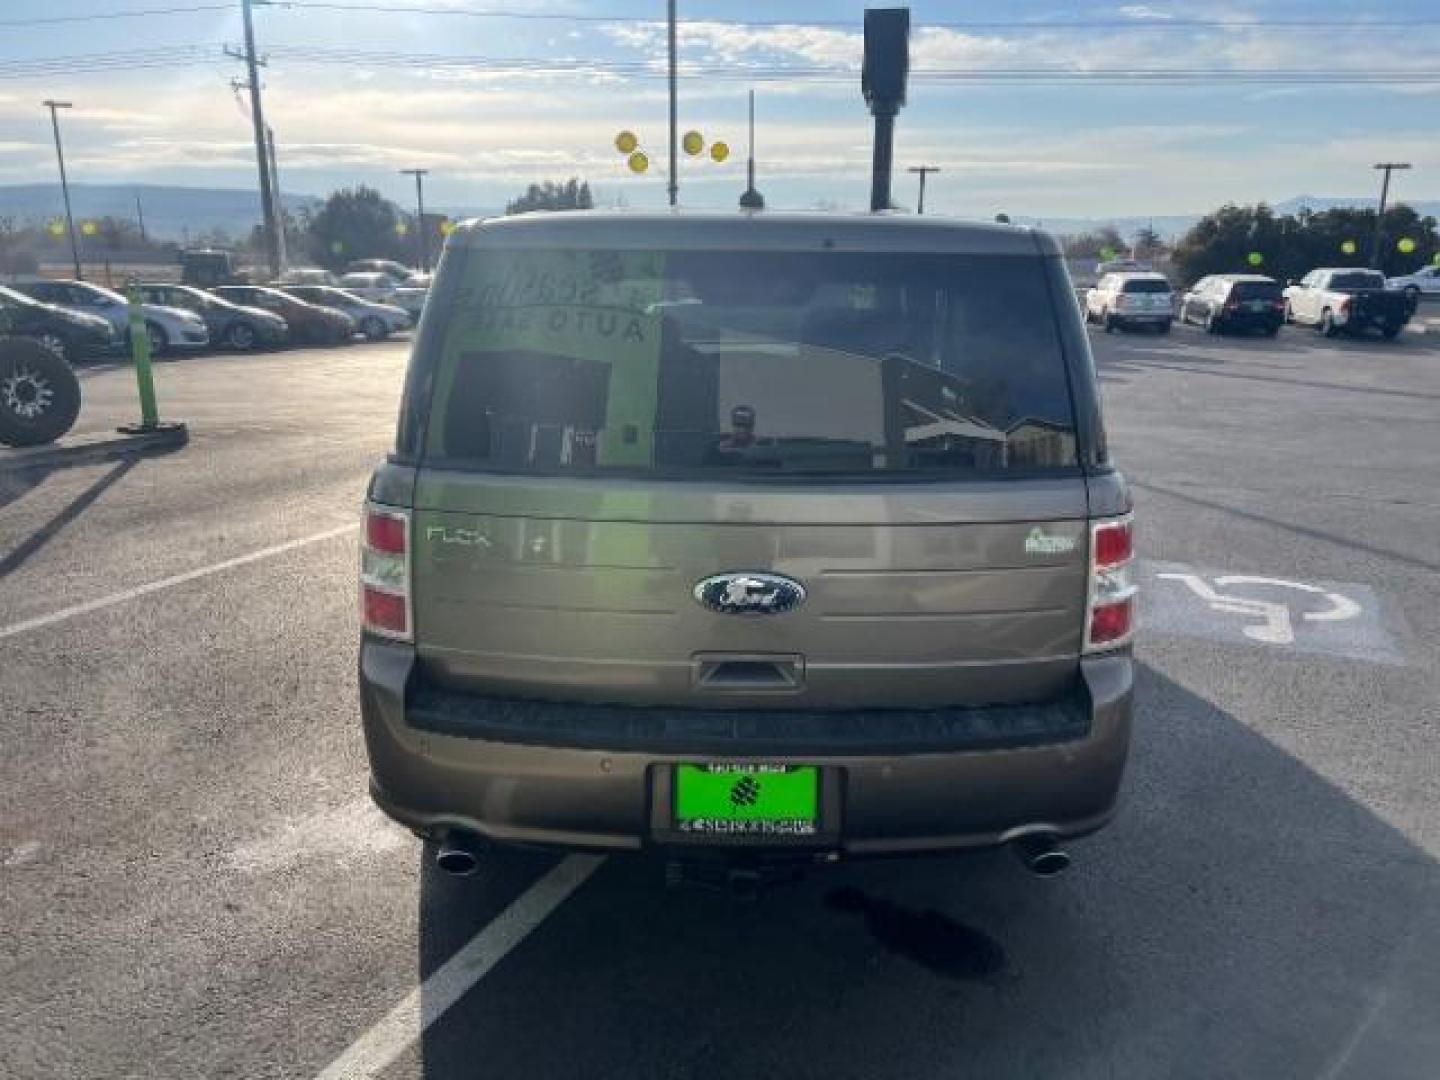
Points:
[(747, 800)]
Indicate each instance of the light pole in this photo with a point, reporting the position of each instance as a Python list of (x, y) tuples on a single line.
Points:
[(751, 199), (419, 175), (55, 107), (924, 171), (1387, 167), (674, 187)]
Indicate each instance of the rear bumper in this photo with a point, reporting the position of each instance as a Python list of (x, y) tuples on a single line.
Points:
[(580, 777), (1142, 318), (1252, 320)]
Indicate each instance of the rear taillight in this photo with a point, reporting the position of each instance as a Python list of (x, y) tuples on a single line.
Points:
[(1110, 609), (385, 573), (1345, 307)]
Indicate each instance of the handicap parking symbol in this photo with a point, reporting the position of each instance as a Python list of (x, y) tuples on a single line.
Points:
[(1335, 618)]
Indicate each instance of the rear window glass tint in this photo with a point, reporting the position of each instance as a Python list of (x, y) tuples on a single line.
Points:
[(1357, 281), (1256, 290), (1145, 285), (703, 362)]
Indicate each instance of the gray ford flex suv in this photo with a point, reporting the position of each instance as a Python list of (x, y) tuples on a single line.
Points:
[(748, 536)]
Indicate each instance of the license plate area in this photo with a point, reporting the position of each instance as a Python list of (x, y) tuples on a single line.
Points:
[(745, 803)]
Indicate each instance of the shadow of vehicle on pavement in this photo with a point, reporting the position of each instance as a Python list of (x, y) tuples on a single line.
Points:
[(1242, 917)]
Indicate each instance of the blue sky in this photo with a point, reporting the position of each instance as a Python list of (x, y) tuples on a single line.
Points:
[(356, 95)]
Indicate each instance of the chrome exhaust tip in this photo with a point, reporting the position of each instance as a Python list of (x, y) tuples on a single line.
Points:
[(459, 854), (1041, 855)]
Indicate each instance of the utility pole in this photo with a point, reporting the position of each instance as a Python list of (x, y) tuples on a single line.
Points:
[(1387, 167), (419, 175), (257, 118), (674, 188), (281, 244), (751, 199), (140, 218), (924, 171), (54, 107)]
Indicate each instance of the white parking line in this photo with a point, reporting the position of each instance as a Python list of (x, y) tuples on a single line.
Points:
[(448, 983), (165, 583)]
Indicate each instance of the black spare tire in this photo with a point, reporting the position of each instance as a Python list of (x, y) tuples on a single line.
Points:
[(39, 394)]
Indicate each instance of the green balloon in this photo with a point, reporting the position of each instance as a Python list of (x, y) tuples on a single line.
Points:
[(1107, 254), (1255, 258)]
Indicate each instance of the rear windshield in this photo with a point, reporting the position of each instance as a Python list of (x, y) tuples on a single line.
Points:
[(1358, 279), (692, 363), (1145, 285), (1256, 290)]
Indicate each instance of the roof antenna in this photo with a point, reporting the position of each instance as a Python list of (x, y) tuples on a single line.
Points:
[(751, 199)]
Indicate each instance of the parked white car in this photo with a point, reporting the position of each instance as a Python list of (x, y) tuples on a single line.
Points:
[(385, 289), (1423, 282), (169, 328), (306, 275), (1130, 301)]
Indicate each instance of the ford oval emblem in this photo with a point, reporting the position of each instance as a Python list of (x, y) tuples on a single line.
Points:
[(746, 593)]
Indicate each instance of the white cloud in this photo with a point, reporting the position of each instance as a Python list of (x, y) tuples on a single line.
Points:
[(1145, 12)]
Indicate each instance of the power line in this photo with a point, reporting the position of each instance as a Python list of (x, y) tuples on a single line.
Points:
[(133, 13), (198, 54), (1031, 26)]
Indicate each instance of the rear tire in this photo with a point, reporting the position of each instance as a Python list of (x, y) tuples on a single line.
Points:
[(240, 336), (1211, 326), (374, 328), (1109, 322), (39, 394), (1271, 331), (1390, 333), (1163, 328)]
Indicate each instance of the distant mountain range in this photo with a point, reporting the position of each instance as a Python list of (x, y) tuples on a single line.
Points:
[(169, 211), (172, 211)]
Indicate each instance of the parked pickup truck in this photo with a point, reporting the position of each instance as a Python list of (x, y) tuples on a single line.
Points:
[(1347, 300)]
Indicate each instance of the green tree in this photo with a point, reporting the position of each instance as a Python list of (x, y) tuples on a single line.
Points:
[(1103, 241), (573, 194), (1239, 238), (1147, 244), (357, 223)]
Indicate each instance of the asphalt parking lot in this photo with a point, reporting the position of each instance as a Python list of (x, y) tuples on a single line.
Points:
[(193, 882)]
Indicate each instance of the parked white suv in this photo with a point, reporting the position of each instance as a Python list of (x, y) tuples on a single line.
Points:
[(385, 289), (1130, 301)]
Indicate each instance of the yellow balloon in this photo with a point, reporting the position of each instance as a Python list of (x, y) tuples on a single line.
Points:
[(1349, 247), (693, 142), (719, 151), (626, 142), (401, 228), (1406, 245), (447, 227), (57, 228), (89, 228), (639, 162)]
